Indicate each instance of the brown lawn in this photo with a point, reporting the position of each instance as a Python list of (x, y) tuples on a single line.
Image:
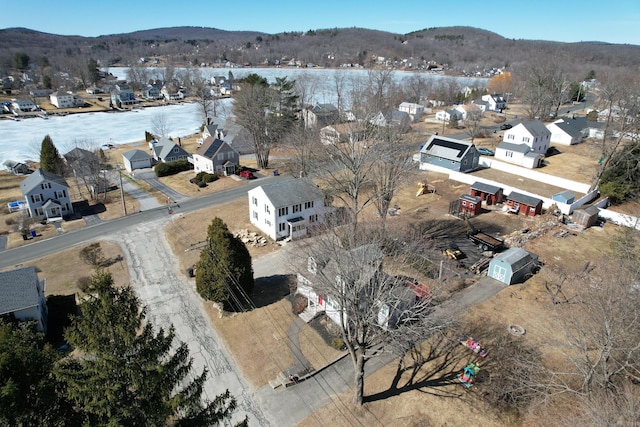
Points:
[(63, 269)]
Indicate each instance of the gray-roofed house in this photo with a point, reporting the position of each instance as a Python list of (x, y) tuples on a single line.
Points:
[(449, 153), (165, 150), (565, 132), (512, 266), (490, 194), (22, 296), (136, 159), (320, 115), (233, 134), (534, 134), (393, 119), (47, 195), (519, 154), (521, 203), (16, 168), (285, 209), (215, 156), (414, 110)]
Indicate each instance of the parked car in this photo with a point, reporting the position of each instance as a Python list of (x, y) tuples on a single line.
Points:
[(505, 126), (247, 174), (485, 151)]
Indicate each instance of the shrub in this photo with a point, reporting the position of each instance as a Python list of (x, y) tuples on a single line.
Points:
[(10, 221), (83, 283), (338, 344), (172, 168), (202, 184), (300, 302)]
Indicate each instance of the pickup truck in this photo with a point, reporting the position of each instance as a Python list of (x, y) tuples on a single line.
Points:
[(485, 241)]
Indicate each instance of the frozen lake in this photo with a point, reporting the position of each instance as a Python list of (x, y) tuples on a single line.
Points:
[(21, 140)]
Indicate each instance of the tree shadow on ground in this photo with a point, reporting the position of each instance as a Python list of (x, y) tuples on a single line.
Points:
[(271, 289), (427, 369), (59, 308)]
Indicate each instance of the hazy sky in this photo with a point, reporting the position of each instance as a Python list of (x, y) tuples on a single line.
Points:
[(615, 21)]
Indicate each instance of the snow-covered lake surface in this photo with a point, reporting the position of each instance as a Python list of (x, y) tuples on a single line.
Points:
[(20, 140)]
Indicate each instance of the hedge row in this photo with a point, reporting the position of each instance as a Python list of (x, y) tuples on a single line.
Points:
[(172, 168)]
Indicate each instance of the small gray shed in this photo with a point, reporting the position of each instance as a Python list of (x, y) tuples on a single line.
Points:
[(512, 266), (586, 216), (566, 196)]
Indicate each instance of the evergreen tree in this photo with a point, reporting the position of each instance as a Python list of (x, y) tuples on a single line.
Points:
[(453, 121), (128, 374), (50, 159), (28, 392), (224, 273)]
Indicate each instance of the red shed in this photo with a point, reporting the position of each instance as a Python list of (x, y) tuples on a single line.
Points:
[(471, 205), (489, 193), (521, 203)]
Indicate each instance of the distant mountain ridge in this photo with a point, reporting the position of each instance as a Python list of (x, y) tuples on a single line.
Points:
[(461, 48)]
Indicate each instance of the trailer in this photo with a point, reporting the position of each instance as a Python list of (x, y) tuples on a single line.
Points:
[(485, 241)]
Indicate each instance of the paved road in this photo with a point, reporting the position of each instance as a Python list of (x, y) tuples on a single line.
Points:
[(106, 228)]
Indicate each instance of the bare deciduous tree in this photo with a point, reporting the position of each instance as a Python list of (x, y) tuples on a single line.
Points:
[(160, 125), (376, 311), (600, 328)]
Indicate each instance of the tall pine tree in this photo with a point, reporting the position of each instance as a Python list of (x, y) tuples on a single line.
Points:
[(29, 395), (224, 273), (50, 159), (128, 374)]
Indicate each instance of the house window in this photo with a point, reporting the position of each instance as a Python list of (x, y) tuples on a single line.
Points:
[(255, 215), (282, 226), (297, 208), (511, 136), (267, 222), (45, 185), (313, 218), (175, 150), (221, 156), (509, 154), (283, 211), (267, 210), (308, 205), (254, 200), (525, 139), (60, 194), (40, 212), (36, 198)]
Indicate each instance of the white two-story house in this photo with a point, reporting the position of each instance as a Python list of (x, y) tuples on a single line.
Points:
[(61, 99), (285, 209), (525, 144), (495, 102), (47, 195)]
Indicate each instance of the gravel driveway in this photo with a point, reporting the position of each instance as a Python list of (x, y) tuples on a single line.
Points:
[(171, 299)]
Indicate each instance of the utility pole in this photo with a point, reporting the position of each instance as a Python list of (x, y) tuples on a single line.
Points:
[(124, 206)]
